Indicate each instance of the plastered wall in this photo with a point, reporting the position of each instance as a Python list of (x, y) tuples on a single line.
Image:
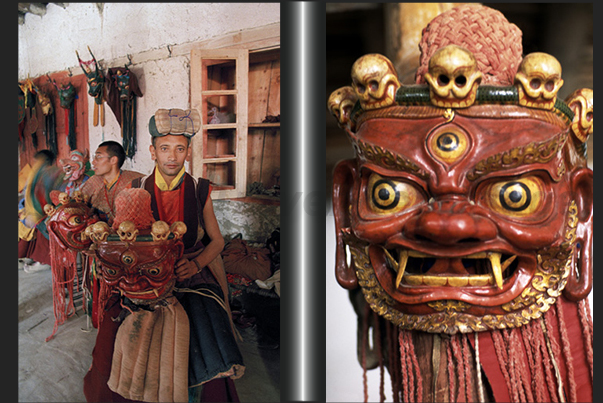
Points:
[(151, 35)]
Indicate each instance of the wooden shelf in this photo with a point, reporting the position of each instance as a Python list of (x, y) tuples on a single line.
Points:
[(210, 93), (221, 126), (263, 125), (219, 159)]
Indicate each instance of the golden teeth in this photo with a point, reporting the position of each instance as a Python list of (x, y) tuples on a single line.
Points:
[(391, 259), (155, 292), (507, 262), (403, 259), (399, 265), (497, 270)]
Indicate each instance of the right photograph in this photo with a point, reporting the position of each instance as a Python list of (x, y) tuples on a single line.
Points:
[(459, 218)]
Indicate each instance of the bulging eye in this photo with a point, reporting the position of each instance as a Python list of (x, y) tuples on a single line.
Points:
[(388, 196), (154, 271), (75, 220), (518, 198), (110, 271)]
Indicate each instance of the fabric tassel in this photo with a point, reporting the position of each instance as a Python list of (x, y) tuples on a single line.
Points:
[(63, 263)]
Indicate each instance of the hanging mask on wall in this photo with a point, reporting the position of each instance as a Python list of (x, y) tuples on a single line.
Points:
[(96, 86), (123, 90)]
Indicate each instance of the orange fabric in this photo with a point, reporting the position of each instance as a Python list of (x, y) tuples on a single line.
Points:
[(170, 201)]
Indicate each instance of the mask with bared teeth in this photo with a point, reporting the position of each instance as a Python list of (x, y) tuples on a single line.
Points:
[(464, 210)]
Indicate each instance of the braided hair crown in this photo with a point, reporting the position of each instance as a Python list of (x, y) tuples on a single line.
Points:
[(493, 40)]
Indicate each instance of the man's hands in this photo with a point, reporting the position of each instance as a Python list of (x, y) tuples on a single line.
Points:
[(185, 269)]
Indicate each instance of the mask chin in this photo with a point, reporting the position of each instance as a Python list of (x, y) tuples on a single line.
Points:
[(343, 180)]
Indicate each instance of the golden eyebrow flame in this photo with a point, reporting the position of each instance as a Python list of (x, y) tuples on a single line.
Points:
[(532, 153), (386, 159)]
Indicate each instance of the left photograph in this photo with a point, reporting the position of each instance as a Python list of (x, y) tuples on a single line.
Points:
[(149, 202)]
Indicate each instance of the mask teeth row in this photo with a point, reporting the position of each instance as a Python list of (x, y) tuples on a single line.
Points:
[(498, 267)]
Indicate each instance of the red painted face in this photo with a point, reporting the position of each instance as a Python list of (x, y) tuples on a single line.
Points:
[(69, 221), (462, 222), (141, 271)]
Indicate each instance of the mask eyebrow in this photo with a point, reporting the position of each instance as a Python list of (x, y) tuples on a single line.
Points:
[(387, 159), (532, 153)]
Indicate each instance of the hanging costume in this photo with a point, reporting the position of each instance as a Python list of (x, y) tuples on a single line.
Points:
[(96, 87), (123, 90), (468, 215), (31, 121), (50, 128), (213, 358), (67, 95)]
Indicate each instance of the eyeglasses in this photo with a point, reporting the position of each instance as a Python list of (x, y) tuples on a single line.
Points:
[(99, 156)]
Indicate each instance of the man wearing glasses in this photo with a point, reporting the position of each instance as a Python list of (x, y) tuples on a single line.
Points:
[(108, 180)]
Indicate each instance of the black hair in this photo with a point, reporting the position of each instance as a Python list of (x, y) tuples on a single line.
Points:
[(114, 149), (46, 155)]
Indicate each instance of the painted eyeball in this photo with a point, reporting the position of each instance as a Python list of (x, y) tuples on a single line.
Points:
[(154, 271), (110, 271), (75, 220), (389, 196), (521, 197)]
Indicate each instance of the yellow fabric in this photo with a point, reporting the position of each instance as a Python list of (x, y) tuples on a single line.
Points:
[(110, 185), (161, 183), (23, 175), (25, 233)]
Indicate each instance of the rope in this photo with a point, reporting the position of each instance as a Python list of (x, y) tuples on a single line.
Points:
[(478, 369), (549, 343)]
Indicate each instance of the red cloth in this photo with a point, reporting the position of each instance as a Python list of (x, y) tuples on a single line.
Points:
[(37, 249), (95, 381), (584, 387)]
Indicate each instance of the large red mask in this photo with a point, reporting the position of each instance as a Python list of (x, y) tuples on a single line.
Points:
[(138, 264), (468, 207), (69, 219)]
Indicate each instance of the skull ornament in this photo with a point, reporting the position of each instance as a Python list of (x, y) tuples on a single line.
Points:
[(78, 196), (49, 210), (178, 228), (340, 104), (581, 103), (160, 230), (375, 81), (63, 198), (100, 231), (127, 231), (453, 77), (538, 80)]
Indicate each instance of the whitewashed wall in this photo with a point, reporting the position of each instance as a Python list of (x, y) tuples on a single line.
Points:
[(113, 31)]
